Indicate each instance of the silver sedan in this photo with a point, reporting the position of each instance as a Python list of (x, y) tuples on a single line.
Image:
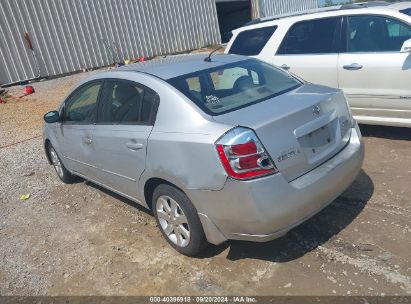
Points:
[(220, 147)]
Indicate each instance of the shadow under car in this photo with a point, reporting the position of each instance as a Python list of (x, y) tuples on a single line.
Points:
[(310, 234)]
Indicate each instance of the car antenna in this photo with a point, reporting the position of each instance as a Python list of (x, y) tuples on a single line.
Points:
[(208, 58)]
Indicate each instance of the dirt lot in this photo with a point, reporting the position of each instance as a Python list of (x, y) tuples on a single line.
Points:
[(81, 240)]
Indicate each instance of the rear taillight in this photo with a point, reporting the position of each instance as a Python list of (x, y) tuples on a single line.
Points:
[(243, 156)]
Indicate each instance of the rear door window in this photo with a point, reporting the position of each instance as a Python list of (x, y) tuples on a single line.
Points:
[(368, 33), (251, 42), (311, 37)]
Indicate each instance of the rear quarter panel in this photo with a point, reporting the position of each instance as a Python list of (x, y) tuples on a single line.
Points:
[(181, 146)]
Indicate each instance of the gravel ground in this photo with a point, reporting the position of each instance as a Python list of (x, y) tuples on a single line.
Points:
[(82, 240)]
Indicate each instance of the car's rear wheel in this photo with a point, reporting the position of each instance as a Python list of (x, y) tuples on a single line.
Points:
[(61, 171), (178, 220)]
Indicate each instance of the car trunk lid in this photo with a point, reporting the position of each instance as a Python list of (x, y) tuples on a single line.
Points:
[(300, 129)]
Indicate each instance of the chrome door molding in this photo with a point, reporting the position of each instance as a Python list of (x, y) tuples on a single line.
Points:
[(119, 175), (80, 162)]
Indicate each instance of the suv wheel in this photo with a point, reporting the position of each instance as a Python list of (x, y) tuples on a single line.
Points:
[(62, 172), (178, 220)]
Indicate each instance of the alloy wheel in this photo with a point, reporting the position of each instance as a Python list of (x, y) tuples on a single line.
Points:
[(173, 221), (56, 162)]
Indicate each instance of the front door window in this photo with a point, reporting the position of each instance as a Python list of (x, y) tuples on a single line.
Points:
[(81, 107), (368, 33)]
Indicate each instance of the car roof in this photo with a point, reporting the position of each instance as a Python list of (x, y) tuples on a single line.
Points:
[(336, 10), (400, 5), (174, 66)]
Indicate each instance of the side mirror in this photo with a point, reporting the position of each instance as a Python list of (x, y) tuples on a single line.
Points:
[(406, 47), (52, 117)]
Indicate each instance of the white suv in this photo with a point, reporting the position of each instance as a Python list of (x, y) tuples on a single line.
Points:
[(365, 50)]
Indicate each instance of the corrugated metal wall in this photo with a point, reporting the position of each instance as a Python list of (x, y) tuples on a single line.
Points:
[(69, 35), (266, 8)]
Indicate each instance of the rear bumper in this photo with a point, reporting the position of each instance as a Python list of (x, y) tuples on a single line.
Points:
[(267, 208)]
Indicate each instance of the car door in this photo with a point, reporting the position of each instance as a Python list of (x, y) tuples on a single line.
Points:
[(126, 114), (75, 132), (310, 50), (373, 73)]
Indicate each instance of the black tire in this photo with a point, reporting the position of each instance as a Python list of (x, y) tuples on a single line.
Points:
[(197, 240), (64, 175)]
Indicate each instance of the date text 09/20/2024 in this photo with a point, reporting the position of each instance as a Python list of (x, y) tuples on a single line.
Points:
[(199, 299)]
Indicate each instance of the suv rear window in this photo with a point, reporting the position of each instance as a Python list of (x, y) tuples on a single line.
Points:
[(233, 86), (251, 42)]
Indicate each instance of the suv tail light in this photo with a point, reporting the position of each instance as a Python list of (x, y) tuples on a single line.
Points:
[(243, 156)]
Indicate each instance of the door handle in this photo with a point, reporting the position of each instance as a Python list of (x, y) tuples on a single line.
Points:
[(285, 67), (134, 146), (353, 67), (88, 140)]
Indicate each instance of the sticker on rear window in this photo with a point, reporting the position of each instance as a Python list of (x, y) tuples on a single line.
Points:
[(212, 99)]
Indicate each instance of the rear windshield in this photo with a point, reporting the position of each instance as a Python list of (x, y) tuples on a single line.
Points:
[(406, 11), (251, 42), (230, 87)]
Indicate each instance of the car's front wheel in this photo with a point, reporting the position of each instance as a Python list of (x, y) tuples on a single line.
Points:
[(61, 171), (178, 220)]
